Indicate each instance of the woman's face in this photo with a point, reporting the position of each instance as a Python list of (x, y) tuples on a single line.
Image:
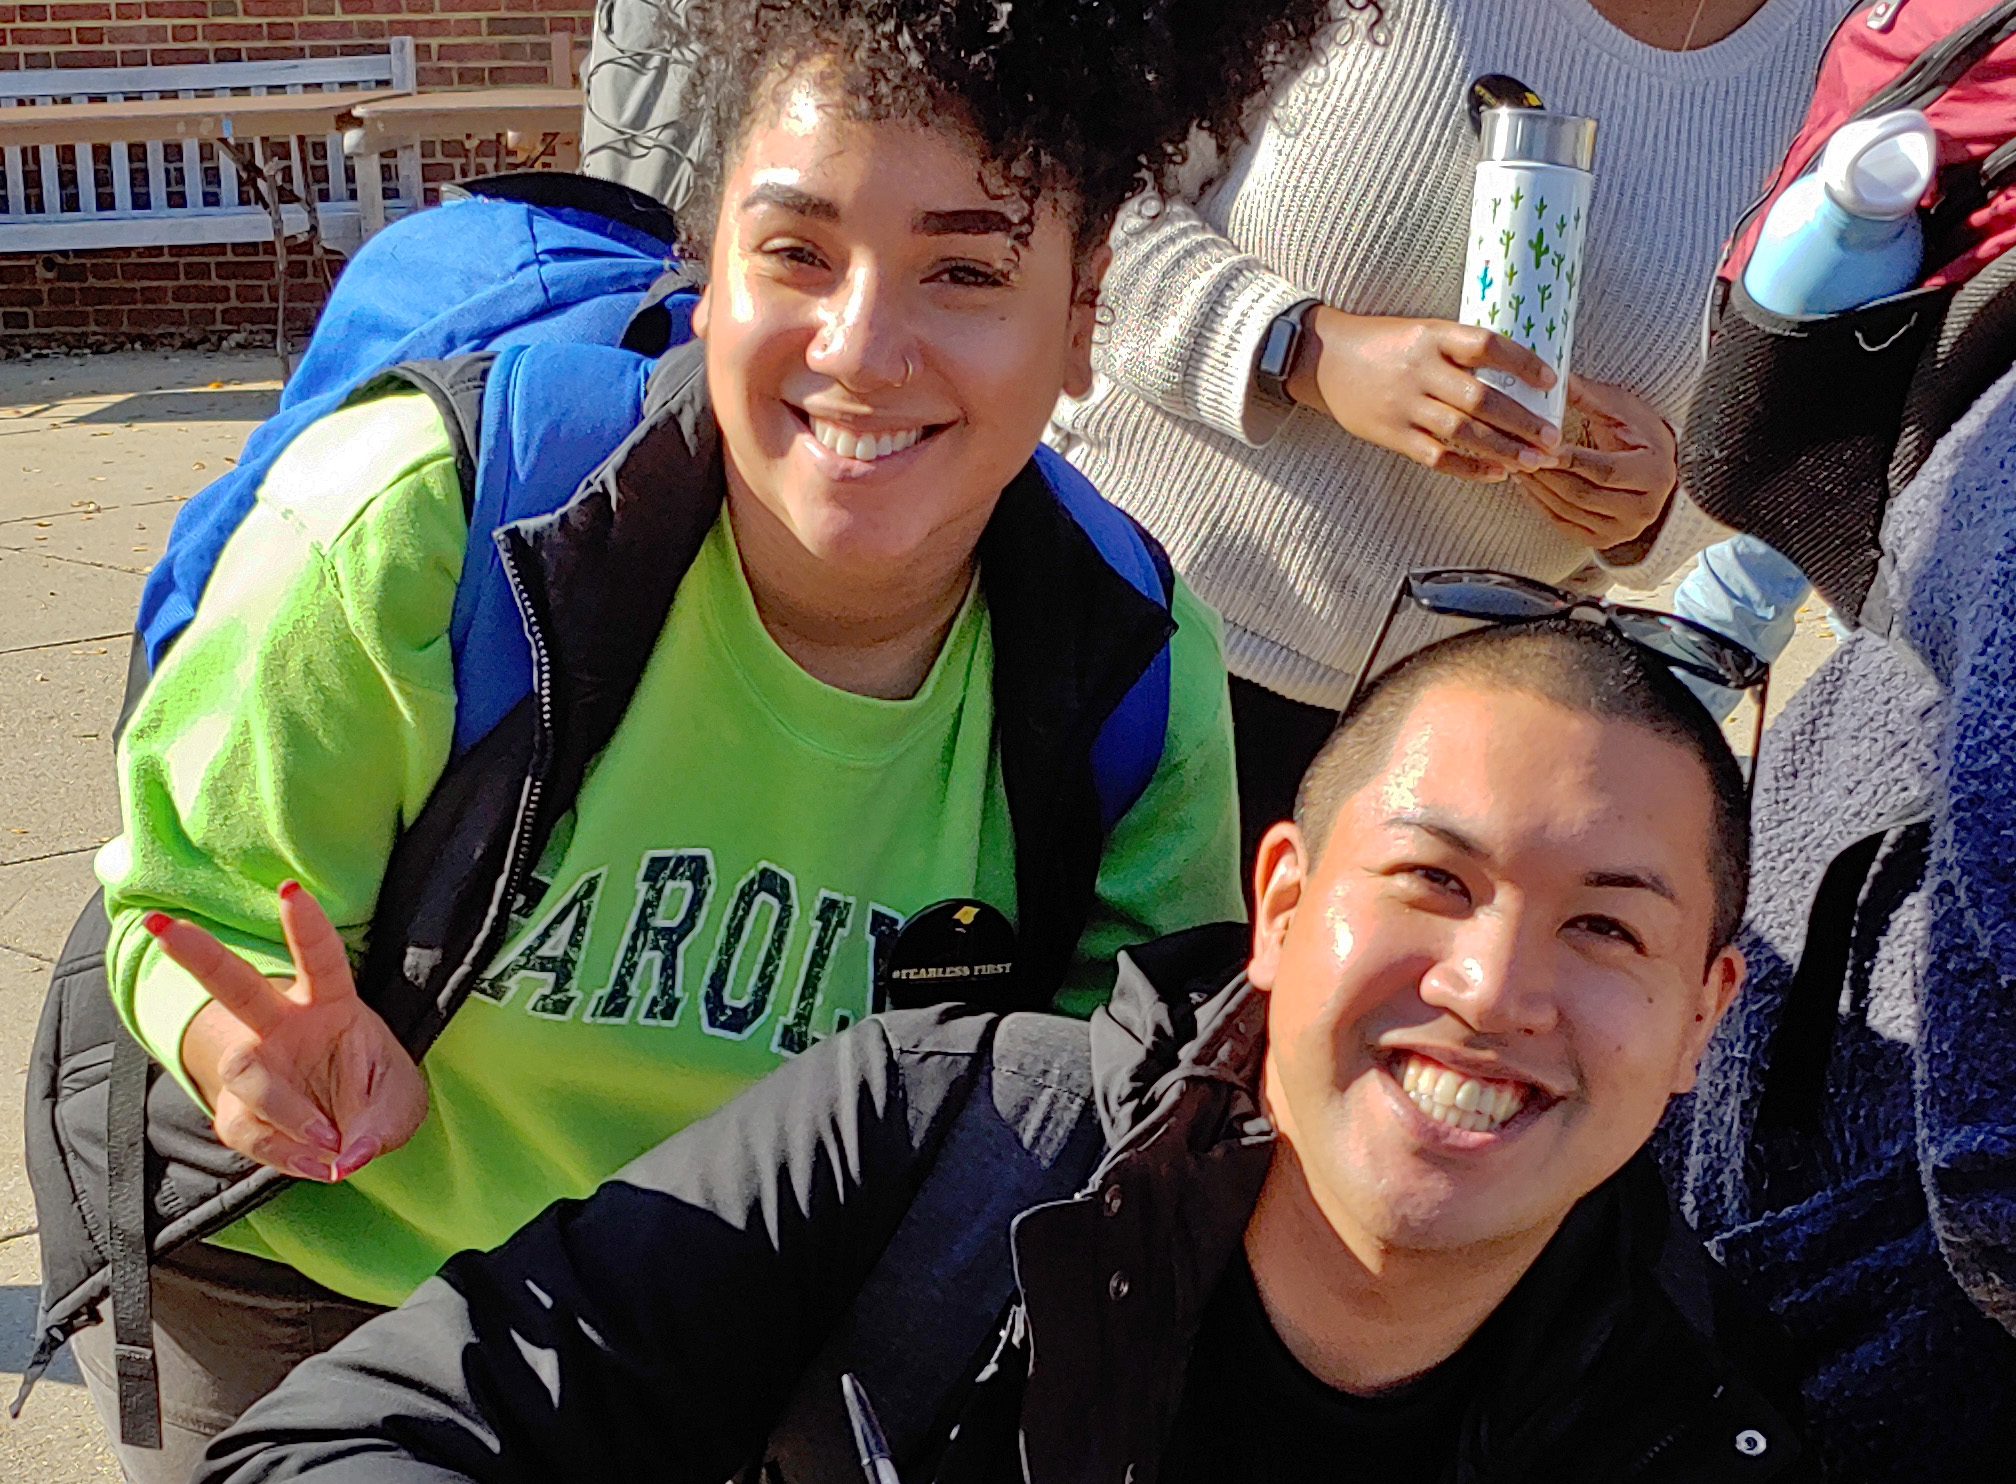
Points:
[(885, 339)]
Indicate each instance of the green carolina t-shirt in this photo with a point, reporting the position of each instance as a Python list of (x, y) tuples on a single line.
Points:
[(713, 904)]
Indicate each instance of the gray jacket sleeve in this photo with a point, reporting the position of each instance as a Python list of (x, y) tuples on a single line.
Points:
[(639, 127), (656, 1329)]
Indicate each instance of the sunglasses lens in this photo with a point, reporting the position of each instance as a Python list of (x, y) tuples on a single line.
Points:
[(1484, 595), (1707, 654)]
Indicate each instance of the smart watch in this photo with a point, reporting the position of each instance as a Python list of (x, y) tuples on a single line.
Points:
[(1275, 361)]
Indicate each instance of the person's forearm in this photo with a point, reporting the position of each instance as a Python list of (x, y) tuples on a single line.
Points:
[(656, 1329)]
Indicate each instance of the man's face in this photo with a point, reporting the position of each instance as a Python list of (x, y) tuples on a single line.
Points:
[(1487, 986), (885, 336)]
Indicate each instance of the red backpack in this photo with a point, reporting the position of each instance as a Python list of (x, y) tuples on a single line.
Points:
[(1801, 426)]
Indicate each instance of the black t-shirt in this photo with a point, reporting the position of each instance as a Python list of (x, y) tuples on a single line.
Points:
[(1252, 1415)]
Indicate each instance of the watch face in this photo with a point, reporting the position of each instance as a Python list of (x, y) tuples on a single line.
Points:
[(1277, 357)]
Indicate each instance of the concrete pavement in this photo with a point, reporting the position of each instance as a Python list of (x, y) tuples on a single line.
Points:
[(96, 454)]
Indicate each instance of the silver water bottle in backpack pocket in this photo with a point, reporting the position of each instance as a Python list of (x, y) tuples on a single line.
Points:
[(1529, 218)]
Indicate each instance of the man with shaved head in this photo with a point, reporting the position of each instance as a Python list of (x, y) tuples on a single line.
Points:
[(1359, 1191)]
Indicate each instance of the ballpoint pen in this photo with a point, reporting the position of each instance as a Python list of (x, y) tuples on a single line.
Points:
[(877, 1467)]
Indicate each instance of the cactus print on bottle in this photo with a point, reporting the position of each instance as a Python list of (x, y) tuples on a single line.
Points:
[(1527, 227)]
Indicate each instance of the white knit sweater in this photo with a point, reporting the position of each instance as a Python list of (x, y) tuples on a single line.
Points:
[(1356, 191)]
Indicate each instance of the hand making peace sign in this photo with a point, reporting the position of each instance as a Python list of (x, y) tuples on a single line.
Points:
[(300, 1074)]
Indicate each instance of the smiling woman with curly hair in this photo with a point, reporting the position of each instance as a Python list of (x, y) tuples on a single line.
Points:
[(857, 693)]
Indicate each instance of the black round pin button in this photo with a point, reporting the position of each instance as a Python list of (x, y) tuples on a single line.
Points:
[(959, 949)]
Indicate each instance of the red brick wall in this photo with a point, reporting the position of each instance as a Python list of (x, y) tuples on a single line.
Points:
[(206, 294), (198, 294)]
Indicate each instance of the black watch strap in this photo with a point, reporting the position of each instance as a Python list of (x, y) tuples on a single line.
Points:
[(1275, 360)]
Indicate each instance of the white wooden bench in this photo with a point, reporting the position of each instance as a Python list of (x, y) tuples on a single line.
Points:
[(169, 190)]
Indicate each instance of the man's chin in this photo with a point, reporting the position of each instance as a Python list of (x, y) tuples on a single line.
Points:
[(1423, 1197), (1438, 1213)]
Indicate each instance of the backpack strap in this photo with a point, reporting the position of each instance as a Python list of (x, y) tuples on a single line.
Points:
[(530, 423), (132, 1284), (455, 386), (1129, 746), (1029, 1133)]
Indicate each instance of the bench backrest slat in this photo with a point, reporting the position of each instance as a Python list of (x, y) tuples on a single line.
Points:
[(122, 173), (79, 84), (54, 196), (17, 184)]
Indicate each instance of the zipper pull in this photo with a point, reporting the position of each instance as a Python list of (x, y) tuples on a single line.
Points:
[(1883, 14)]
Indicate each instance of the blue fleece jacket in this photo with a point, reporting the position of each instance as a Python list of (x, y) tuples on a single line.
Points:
[(1884, 1234)]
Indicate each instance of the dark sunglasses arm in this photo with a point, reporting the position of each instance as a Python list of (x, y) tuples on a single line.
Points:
[(1761, 694), (1400, 593)]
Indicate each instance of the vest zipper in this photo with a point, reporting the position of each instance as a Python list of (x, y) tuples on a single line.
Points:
[(518, 863)]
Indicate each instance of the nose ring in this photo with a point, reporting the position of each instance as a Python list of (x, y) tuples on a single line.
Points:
[(908, 371)]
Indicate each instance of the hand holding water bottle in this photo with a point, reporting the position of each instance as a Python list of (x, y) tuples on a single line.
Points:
[(1613, 490), (1411, 385)]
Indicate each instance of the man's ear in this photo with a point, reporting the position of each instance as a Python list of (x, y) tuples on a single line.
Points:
[(1280, 872), (1085, 320), (1718, 993), (703, 311)]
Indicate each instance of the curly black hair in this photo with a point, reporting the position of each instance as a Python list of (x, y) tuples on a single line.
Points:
[(1087, 99)]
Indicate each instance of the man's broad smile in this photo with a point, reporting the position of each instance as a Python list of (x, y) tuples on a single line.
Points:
[(1462, 1100)]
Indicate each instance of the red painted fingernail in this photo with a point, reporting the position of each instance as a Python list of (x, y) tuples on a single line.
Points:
[(289, 889), (157, 923), (359, 1155)]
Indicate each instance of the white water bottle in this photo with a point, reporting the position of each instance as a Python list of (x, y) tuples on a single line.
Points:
[(1529, 217)]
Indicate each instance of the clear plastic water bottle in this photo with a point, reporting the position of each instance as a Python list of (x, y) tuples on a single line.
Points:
[(1847, 233)]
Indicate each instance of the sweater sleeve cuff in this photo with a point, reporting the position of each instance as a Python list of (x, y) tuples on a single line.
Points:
[(1685, 532), (1228, 343), (166, 999)]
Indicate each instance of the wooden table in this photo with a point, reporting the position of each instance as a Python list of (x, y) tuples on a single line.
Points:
[(136, 120), (480, 113)]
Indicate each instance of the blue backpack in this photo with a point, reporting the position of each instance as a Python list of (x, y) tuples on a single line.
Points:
[(574, 287)]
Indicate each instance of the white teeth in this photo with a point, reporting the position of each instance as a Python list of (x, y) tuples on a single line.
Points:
[(867, 447), (1461, 1102)]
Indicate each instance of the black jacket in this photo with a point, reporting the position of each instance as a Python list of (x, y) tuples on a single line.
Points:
[(661, 1328)]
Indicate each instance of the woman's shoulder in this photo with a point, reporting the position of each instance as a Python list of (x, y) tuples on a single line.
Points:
[(339, 469), (360, 520)]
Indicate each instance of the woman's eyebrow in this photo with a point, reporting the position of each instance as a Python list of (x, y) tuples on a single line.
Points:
[(791, 199), (978, 222)]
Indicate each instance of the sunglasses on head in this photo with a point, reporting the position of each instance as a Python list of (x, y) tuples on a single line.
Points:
[(1504, 598)]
